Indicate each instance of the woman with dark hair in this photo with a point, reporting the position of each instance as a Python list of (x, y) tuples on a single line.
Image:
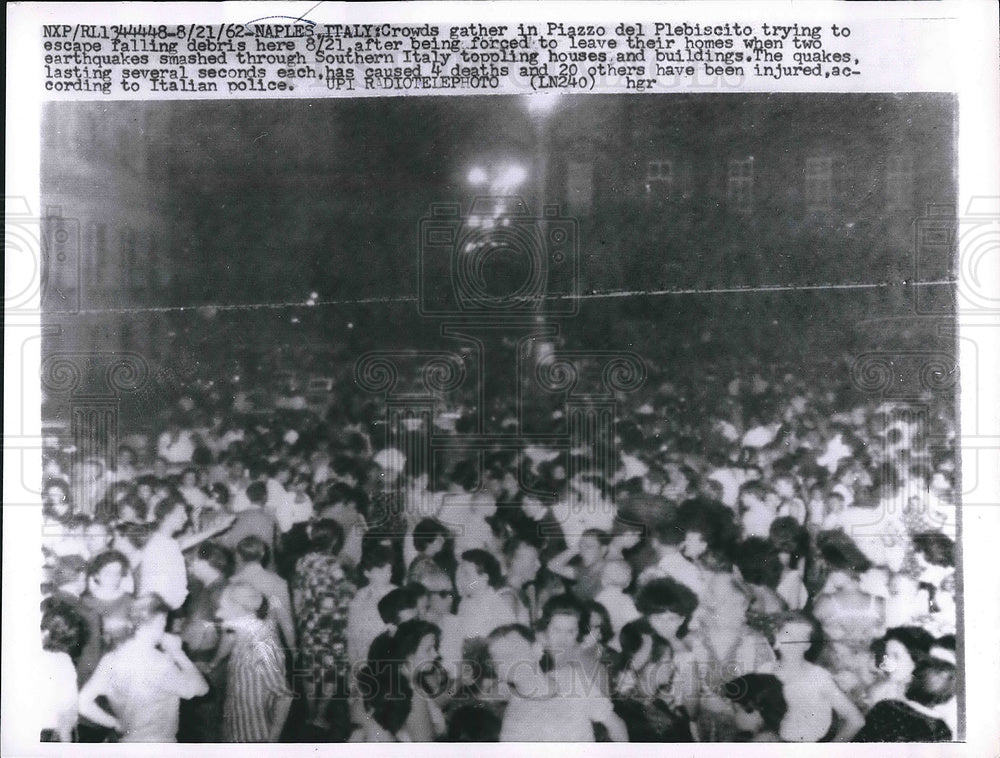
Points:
[(669, 607), (896, 654), (818, 711), (143, 679), (415, 647), (710, 533), (912, 717), (791, 540), (430, 540), (600, 632), (760, 566), (934, 554), (385, 712), (643, 690), (759, 704), (321, 597)]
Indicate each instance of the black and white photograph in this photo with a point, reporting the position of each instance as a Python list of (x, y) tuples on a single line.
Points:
[(529, 418)]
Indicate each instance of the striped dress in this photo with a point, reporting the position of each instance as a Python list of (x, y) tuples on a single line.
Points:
[(255, 681)]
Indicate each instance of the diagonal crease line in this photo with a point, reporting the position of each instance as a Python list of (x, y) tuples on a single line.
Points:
[(607, 295)]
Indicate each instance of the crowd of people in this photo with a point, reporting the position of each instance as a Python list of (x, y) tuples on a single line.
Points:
[(769, 558)]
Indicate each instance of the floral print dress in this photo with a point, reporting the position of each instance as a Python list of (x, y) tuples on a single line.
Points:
[(321, 594)]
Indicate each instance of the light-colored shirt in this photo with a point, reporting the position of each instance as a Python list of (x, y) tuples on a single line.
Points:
[(621, 608), (480, 615), (561, 717), (145, 691), (162, 570), (55, 701)]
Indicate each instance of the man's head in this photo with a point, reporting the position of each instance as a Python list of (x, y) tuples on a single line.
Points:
[(189, 477), (56, 498), (514, 652), (326, 536), (402, 604), (257, 493), (754, 494), (253, 550), (440, 592), (235, 468), (758, 702)]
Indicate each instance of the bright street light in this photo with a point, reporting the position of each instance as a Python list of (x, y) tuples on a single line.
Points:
[(542, 103), (478, 176)]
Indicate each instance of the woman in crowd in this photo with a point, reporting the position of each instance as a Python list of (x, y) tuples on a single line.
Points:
[(257, 697), (415, 646), (897, 653), (643, 689), (321, 596), (669, 606), (912, 718)]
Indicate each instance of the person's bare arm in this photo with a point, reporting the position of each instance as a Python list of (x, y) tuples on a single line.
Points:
[(559, 565), (190, 682), (96, 686), (188, 541), (851, 719)]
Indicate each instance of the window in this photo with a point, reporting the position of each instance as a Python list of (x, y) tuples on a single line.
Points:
[(740, 185), (899, 182), (819, 184), (660, 178)]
